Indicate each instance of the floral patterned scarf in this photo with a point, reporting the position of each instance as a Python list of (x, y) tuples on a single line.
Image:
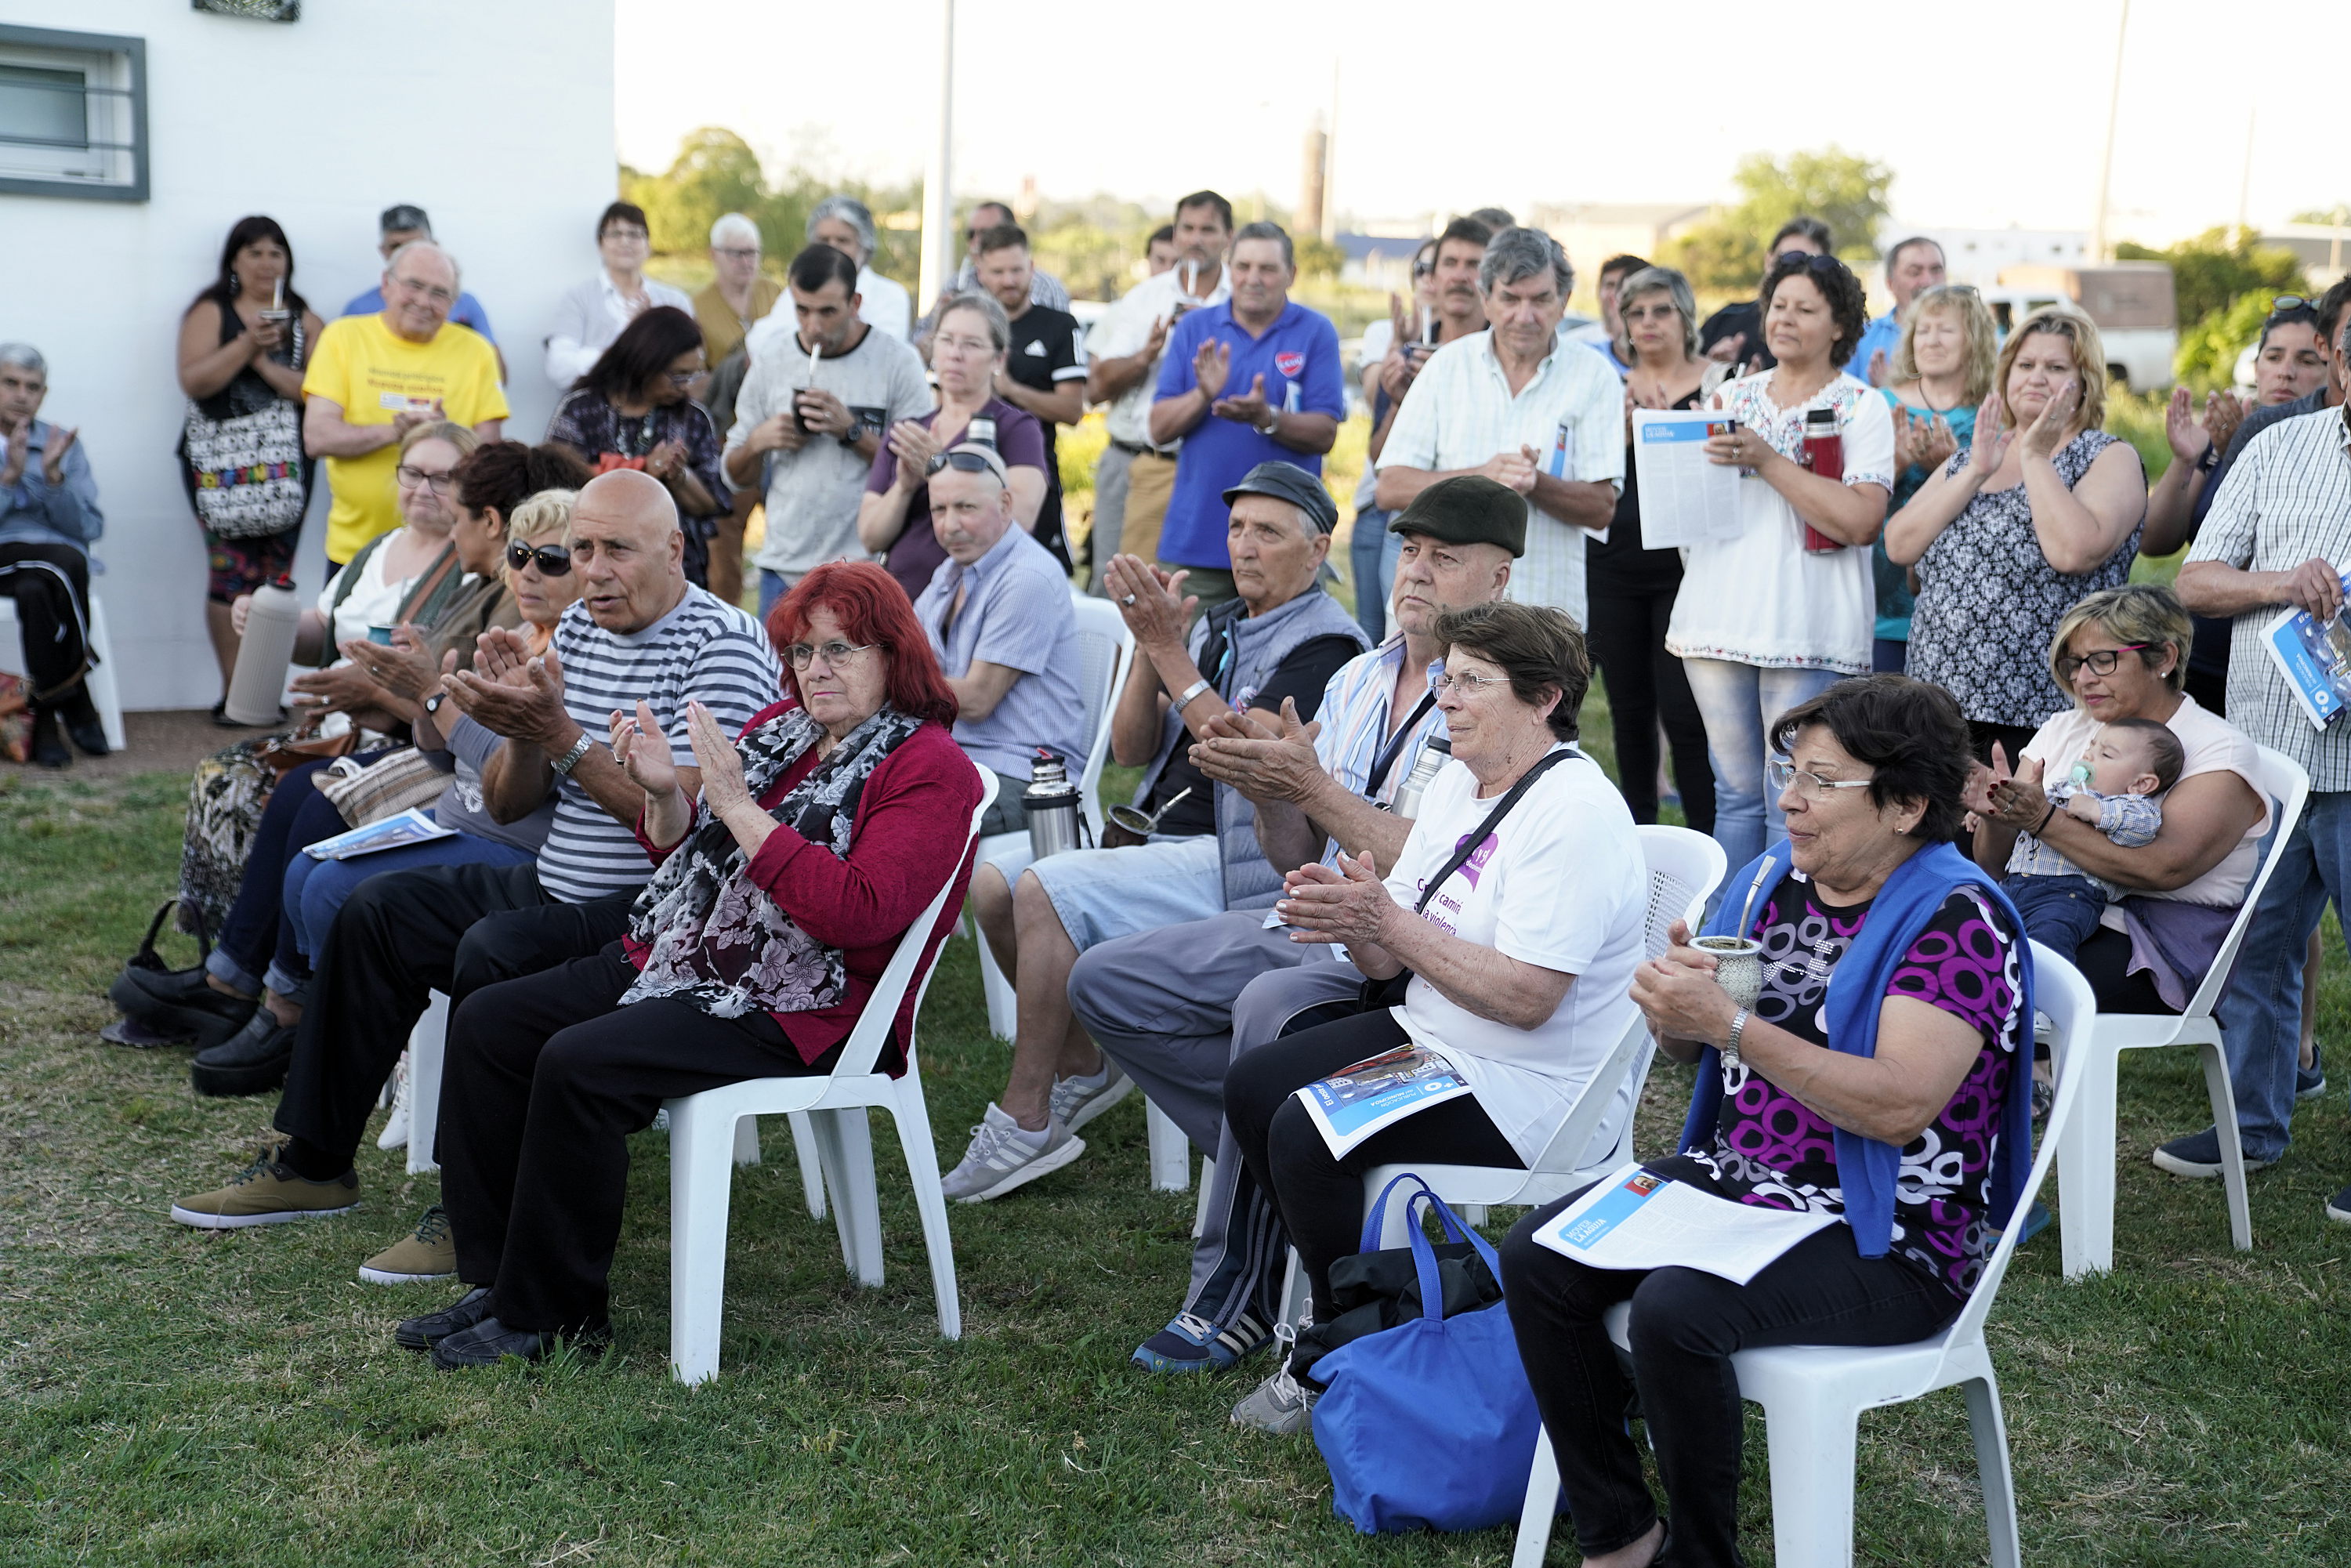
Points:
[(716, 940)]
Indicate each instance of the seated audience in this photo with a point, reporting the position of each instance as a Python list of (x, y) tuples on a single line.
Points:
[(49, 520), (1170, 1006), (631, 411), (591, 314), (1901, 1106), (445, 373), (241, 356), (1940, 373), (2111, 786), (404, 224), (833, 818), (967, 356), (809, 419), (1517, 909), (1281, 641), (639, 633), (1000, 622)]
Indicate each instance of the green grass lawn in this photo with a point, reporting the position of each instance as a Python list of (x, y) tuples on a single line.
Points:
[(173, 1395)]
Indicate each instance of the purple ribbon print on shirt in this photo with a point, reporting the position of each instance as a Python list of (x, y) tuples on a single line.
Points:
[(1476, 864)]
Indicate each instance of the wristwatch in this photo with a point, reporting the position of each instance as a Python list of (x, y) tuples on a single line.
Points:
[(1731, 1047), (1272, 422), (564, 764), (1194, 690), (432, 704)]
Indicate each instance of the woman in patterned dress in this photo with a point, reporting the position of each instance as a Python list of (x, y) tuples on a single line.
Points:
[(2041, 511), (1882, 1076)]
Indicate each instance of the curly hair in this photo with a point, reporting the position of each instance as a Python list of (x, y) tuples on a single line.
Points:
[(1909, 733), (1849, 301)]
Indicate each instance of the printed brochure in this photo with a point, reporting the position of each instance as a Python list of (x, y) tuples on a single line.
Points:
[(411, 827), (1371, 1096), (2315, 659), (1639, 1219)]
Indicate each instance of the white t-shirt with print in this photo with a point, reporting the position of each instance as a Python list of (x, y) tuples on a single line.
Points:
[(1760, 598), (1562, 884)]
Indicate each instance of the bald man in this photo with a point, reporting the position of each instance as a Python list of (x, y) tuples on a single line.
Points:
[(640, 632)]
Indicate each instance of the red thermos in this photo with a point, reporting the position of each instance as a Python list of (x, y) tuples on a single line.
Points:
[(1823, 455)]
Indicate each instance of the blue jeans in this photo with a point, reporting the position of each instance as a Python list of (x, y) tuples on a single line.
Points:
[(2260, 1011), (772, 587), (1372, 562), (2060, 912), (315, 891), (296, 816), (1739, 702)]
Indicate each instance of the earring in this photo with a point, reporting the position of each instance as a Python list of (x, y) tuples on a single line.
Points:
[(236, 284)]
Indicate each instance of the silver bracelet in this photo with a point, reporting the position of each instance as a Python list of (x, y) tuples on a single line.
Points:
[(1731, 1047), (564, 764), (1191, 692)]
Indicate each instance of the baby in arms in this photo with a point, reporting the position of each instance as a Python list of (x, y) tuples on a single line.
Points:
[(2112, 788)]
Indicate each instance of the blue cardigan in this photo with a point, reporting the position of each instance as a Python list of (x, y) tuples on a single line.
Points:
[(1868, 1169)]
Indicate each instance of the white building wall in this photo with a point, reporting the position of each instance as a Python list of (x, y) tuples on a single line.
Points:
[(495, 119)]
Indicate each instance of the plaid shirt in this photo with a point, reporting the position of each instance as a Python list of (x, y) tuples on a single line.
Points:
[(2129, 821), (2286, 501)]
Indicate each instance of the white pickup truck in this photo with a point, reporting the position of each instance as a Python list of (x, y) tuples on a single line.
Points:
[(2131, 301)]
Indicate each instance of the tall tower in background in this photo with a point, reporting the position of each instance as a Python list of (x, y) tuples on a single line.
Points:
[(1312, 168)]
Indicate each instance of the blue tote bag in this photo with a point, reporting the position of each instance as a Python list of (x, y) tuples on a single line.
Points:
[(1429, 1425)]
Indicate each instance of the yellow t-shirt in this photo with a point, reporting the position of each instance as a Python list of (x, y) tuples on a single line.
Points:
[(375, 374)]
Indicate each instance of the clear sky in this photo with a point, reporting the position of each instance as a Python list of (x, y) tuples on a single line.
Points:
[(1990, 114)]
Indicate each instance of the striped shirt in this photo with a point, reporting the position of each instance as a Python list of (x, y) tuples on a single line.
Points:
[(704, 651), (1354, 719), (1460, 415), (2286, 500)]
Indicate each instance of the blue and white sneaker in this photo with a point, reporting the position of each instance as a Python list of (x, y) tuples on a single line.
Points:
[(1191, 1343)]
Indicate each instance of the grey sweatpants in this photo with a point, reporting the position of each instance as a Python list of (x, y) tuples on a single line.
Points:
[(1110, 512), (1173, 1008)]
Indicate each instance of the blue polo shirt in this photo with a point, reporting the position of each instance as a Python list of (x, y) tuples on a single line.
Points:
[(1884, 333), (1299, 358), (466, 312)]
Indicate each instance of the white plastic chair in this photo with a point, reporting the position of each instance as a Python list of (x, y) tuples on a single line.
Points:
[(2086, 1161), (1812, 1395), (1104, 649), (1685, 868), (104, 693), (706, 1131)]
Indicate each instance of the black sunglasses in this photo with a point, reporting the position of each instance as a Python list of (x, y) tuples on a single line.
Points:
[(554, 560), (962, 462)]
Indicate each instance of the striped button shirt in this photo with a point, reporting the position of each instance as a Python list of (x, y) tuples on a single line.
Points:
[(704, 651), (1459, 415), (1354, 719), (2286, 500)]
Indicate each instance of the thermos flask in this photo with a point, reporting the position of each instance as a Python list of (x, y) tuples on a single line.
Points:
[(1434, 755), (265, 654), (1051, 801)]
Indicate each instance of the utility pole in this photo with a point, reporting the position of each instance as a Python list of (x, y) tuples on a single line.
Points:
[(939, 258), (2245, 183), (1330, 160), (2106, 161)]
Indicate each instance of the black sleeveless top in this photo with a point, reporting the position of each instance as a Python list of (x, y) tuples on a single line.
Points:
[(248, 393)]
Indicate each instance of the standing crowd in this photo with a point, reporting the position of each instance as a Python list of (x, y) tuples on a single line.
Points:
[(681, 841)]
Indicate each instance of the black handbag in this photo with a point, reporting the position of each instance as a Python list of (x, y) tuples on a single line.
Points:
[(1390, 992)]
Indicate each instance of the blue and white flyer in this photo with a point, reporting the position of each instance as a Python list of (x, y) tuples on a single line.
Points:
[(1639, 1219)]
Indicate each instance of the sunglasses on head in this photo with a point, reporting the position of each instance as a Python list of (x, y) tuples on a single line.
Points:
[(962, 462), (554, 560)]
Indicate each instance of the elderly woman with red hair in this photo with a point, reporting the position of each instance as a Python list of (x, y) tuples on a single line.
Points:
[(781, 893)]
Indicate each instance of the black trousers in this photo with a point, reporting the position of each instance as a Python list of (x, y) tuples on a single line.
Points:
[(546, 1078), (51, 584), (447, 928), (1645, 686), (1685, 1324), (1321, 1195)]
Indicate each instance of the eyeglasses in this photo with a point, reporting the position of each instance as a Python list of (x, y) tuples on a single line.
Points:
[(683, 378), (410, 478), (1468, 686), (553, 561), (624, 232), (739, 252), (961, 462), (835, 653), (1423, 268), (2099, 662), (432, 291), (1809, 786)]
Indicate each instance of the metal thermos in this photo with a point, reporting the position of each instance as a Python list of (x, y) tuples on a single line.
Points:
[(981, 433), (1051, 801), (1434, 753), (265, 654)]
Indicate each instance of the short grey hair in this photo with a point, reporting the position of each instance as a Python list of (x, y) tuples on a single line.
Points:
[(1666, 282), (850, 211), (1514, 254), (733, 226), (24, 357), (999, 325), (391, 263), (1274, 232)]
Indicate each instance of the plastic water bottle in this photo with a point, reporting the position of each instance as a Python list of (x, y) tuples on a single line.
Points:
[(1434, 755), (265, 654)]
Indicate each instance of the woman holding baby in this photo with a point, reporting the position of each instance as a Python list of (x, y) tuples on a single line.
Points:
[(2122, 655), (2044, 508)]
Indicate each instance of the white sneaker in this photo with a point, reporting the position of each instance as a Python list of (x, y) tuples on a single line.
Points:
[(1003, 1157), (1282, 1404), (396, 1127), (1077, 1100)]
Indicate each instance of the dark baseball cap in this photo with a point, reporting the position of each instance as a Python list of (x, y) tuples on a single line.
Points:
[(1467, 509), (1289, 482)]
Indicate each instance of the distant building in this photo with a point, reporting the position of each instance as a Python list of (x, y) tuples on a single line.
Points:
[(1592, 232), (2324, 250), (1381, 255), (1978, 255)]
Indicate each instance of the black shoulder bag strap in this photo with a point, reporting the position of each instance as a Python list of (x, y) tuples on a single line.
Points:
[(1389, 993), (1385, 763)]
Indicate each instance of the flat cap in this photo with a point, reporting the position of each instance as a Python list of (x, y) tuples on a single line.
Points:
[(1289, 482), (1467, 509)]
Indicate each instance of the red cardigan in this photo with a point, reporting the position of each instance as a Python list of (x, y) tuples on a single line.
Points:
[(913, 817)]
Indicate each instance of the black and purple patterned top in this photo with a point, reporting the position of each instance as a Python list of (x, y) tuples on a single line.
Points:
[(1772, 1150), (585, 420)]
